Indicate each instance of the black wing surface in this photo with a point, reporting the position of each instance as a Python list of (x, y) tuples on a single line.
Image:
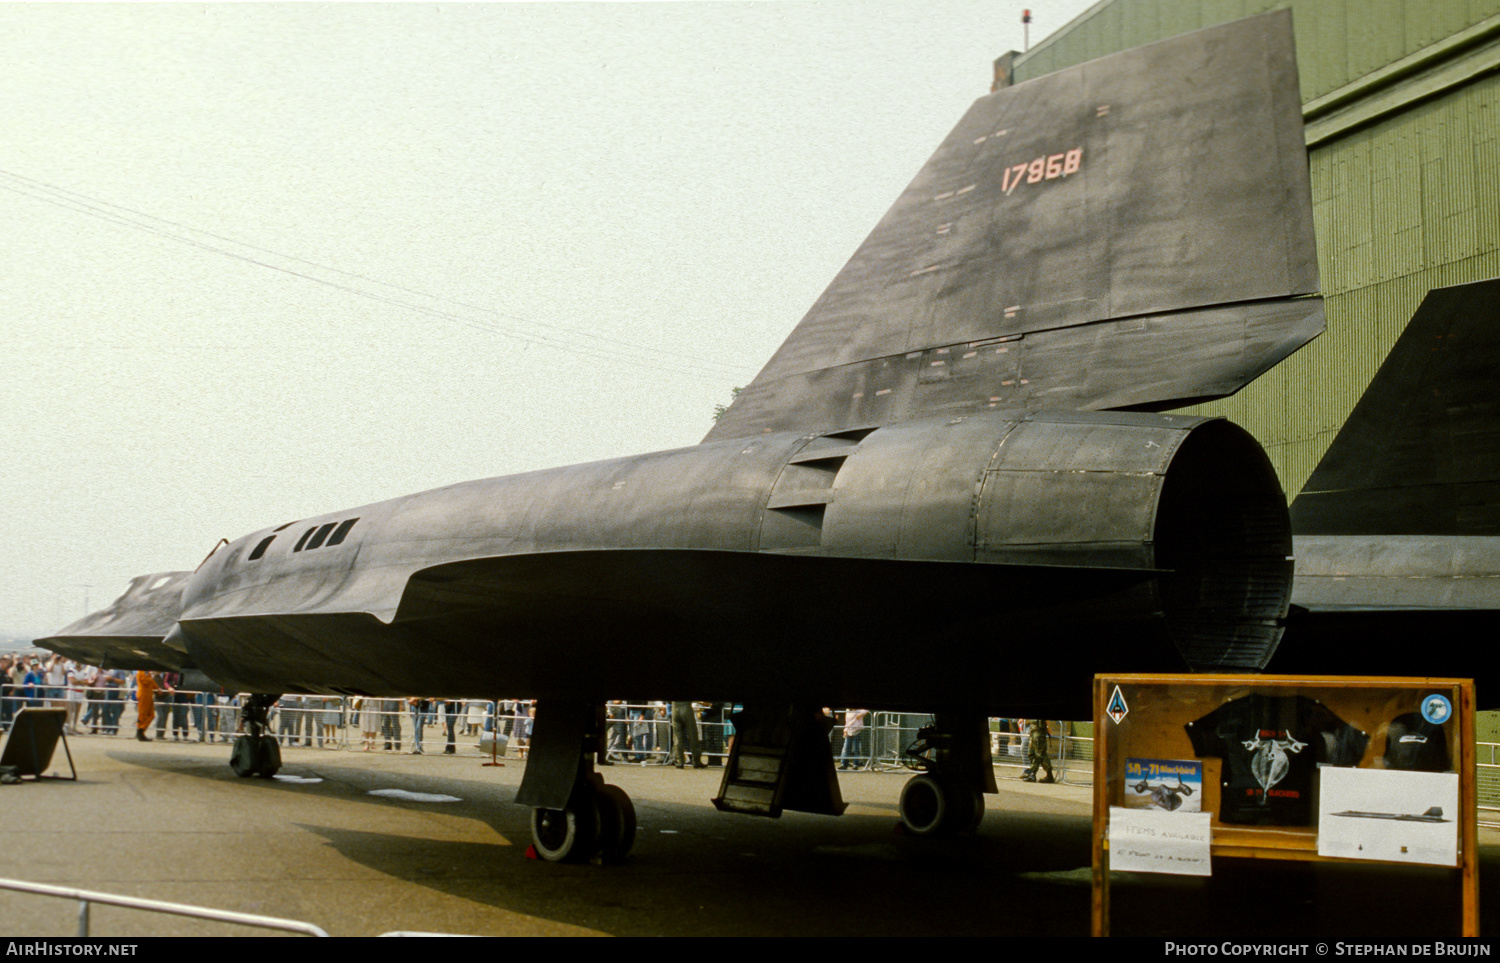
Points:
[(725, 624), (1134, 232), (1420, 453), (1397, 531), (130, 633)]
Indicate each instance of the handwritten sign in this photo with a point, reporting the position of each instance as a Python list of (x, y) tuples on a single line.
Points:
[(1147, 841)]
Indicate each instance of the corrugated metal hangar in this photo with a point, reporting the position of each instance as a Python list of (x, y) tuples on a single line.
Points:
[(1401, 100)]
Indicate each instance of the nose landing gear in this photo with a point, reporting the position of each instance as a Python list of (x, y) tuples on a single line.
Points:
[(256, 752)]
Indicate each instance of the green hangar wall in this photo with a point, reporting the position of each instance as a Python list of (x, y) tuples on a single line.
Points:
[(1401, 100)]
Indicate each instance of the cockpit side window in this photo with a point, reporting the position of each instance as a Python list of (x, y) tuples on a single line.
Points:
[(318, 538), (342, 531)]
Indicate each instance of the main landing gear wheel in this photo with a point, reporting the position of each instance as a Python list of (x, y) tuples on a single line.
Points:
[(565, 835), (255, 756), (598, 822), (940, 806), (616, 824), (976, 814)]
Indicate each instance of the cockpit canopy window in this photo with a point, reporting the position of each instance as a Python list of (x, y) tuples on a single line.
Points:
[(322, 534), (341, 531), (314, 537)]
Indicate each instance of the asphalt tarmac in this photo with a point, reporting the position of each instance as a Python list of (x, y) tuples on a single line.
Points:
[(170, 821)]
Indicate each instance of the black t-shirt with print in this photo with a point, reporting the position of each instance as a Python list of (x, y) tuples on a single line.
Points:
[(1271, 747)]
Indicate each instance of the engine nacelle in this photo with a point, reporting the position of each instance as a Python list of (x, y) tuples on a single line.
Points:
[(1194, 500)]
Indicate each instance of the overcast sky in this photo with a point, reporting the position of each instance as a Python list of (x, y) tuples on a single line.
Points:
[(271, 260)]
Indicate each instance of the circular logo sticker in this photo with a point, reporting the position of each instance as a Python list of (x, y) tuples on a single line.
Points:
[(1436, 709)]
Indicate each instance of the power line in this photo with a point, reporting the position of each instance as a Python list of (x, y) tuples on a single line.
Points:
[(596, 346)]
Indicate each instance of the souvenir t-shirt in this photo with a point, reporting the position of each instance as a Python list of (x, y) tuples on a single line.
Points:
[(1414, 744), (1271, 747)]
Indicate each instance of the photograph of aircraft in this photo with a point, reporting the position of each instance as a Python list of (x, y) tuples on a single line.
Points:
[(1162, 795), (1433, 814), (957, 468)]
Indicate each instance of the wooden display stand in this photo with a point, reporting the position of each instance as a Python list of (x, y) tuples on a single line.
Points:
[(1152, 727)]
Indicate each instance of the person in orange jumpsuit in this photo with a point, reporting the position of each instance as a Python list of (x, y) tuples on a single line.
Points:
[(145, 703)]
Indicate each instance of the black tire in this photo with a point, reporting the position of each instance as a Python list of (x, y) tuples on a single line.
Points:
[(270, 757), (940, 806), (245, 756), (616, 823), (566, 835), (925, 806), (976, 814)]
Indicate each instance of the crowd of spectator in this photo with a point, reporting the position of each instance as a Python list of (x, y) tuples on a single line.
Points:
[(114, 702)]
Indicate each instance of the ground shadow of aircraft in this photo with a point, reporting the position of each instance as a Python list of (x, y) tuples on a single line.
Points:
[(951, 490)]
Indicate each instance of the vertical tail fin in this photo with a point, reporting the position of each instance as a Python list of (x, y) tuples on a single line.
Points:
[(1132, 232)]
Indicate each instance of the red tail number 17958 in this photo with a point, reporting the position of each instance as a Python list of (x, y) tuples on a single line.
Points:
[(1042, 169)]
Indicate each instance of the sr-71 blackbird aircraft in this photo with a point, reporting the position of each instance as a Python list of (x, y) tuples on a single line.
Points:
[(949, 491)]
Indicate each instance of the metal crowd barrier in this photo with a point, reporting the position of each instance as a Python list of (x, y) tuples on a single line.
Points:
[(1487, 782), (1072, 751), (641, 733), (353, 723), (86, 899), (637, 733)]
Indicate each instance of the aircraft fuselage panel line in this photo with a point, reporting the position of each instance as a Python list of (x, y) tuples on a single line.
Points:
[(792, 548)]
